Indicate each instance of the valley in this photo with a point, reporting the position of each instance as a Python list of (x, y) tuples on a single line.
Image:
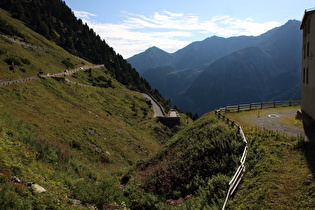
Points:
[(80, 128), (204, 75)]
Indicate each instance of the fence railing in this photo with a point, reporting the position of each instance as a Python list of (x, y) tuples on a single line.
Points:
[(236, 179), (260, 105)]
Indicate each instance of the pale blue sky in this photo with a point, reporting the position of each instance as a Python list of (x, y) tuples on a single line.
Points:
[(132, 26)]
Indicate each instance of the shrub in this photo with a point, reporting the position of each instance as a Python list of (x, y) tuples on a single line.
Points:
[(105, 192), (26, 61), (15, 60), (193, 164)]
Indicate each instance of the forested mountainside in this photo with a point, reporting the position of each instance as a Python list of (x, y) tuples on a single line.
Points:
[(55, 20), (182, 77)]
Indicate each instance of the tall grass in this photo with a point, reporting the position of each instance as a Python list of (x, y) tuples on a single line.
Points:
[(193, 169), (279, 174)]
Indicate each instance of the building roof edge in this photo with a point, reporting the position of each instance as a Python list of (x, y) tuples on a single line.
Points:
[(306, 13)]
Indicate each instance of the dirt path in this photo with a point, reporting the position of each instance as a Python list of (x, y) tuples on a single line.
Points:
[(280, 120)]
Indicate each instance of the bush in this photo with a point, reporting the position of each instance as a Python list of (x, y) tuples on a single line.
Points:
[(193, 163), (105, 192), (15, 60), (26, 61)]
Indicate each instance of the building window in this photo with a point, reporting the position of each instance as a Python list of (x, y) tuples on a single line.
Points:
[(303, 76), (309, 25), (304, 49), (308, 49), (306, 76)]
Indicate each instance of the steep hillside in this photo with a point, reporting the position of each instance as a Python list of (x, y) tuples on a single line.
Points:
[(151, 58), (54, 20), (259, 73), (169, 80), (29, 51), (72, 140), (205, 52), (191, 171), (78, 142), (282, 44)]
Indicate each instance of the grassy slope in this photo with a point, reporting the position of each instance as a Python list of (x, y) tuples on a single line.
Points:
[(197, 163), (74, 141), (66, 137), (279, 170), (49, 60)]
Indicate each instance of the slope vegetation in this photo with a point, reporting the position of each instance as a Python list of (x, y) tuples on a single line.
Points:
[(54, 20), (191, 171), (280, 168), (74, 141)]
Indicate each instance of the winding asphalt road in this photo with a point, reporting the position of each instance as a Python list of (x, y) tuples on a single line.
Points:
[(67, 72), (158, 110)]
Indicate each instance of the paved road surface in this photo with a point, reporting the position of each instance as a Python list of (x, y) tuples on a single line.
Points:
[(67, 72), (275, 119), (158, 112)]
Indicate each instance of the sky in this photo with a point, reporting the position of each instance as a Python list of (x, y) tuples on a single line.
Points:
[(132, 26)]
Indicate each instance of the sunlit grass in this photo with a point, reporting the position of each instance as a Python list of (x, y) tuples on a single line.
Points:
[(49, 60), (279, 170)]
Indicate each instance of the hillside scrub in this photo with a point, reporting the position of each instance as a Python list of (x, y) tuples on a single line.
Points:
[(75, 149), (28, 61), (192, 170), (78, 142), (69, 138)]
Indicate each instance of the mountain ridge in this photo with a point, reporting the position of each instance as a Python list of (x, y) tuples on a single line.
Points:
[(281, 43), (98, 148)]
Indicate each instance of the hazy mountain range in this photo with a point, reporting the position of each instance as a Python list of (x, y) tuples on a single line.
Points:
[(225, 71)]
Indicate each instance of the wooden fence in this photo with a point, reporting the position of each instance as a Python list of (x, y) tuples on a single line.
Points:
[(260, 105), (236, 179)]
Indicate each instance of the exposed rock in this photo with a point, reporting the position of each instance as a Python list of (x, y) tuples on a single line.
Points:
[(92, 132), (15, 179), (38, 188)]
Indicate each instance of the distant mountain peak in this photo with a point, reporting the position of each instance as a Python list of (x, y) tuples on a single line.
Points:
[(151, 58), (153, 48)]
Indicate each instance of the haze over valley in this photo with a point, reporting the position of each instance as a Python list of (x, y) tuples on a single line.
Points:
[(220, 71)]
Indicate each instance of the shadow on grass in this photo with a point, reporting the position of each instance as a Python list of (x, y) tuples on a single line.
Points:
[(308, 147)]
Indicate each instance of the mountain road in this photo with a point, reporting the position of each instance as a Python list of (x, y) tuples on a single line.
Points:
[(158, 110)]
